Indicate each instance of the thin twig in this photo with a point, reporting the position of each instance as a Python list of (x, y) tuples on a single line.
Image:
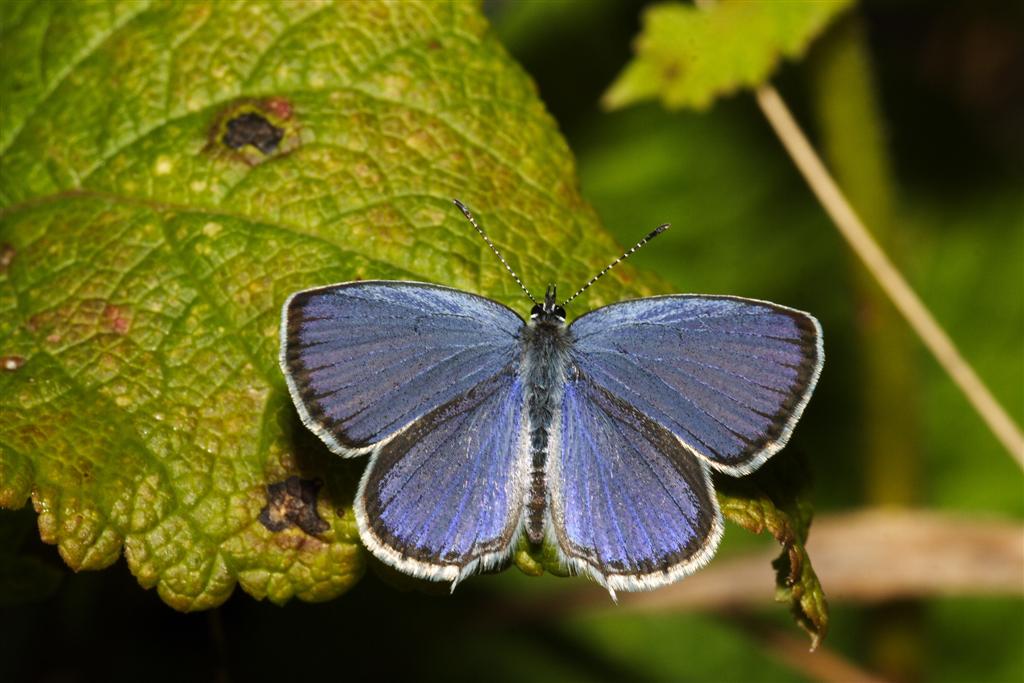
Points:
[(886, 274), (863, 557)]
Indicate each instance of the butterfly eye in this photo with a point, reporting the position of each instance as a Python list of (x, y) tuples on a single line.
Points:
[(559, 312), (536, 310)]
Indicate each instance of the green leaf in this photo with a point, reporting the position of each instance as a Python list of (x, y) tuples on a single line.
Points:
[(170, 173), (772, 500), (534, 561), (687, 56)]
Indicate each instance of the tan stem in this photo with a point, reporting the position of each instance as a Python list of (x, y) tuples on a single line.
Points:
[(862, 557), (869, 556), (886, 274)]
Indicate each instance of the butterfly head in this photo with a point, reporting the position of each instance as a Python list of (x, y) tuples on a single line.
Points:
[(549, 312)]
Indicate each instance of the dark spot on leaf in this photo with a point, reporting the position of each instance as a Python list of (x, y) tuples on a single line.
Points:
[(434, 44), (252, 129), (672, 71), (6, 257), (279, 107), (292, 502), (11, 363)]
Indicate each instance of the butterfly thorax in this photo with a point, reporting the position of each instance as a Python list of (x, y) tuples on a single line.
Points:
[(545, 361)]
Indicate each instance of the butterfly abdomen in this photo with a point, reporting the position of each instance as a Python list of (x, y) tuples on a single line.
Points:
[(545, 359)]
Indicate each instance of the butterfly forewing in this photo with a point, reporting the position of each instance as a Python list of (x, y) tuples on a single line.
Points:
[(727, 376), (364, 359), (445, 496), (629, 504)]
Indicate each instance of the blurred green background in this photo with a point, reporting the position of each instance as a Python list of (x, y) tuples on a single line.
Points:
[(918, 108)]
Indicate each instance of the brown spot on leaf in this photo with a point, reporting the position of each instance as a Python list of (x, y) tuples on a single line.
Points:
[(115, 318), (292, 502), (279, 107), (252, 129), (11, 363), (6, 257)]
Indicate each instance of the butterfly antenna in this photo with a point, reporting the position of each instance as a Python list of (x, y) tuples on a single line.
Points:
[(468, 215), (632, 250)]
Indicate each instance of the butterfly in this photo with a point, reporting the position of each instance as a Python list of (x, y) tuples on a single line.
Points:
[(597, 437)]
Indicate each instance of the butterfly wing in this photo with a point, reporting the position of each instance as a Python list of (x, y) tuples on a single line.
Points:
[(729, 377), (364, 359), (445, 497), (629, 505)]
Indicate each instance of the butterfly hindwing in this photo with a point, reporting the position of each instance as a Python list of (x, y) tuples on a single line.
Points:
[(445, 496), (729, 377), (629, 504), (364, 359)]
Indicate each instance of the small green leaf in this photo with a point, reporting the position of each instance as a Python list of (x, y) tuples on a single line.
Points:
[(772, 500), (169, 174), (534, 561), (687, 56)]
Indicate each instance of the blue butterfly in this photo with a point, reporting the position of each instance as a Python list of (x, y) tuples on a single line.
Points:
[(596, 437)]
